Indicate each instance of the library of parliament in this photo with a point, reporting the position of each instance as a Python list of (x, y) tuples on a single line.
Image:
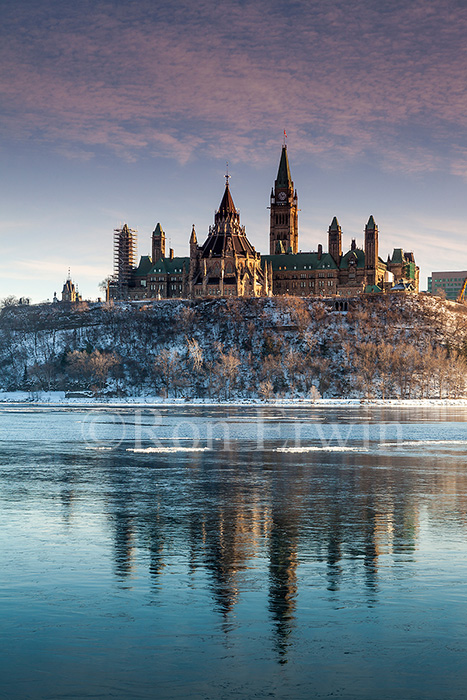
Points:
[(227, 264)]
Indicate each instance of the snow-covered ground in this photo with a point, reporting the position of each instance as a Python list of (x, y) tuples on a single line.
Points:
[(59, 398)]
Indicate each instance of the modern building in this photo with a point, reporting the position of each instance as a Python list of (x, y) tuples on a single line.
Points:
[(447, 284), (227, 264)]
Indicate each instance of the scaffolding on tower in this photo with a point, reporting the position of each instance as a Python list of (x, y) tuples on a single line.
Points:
[(125, 241)]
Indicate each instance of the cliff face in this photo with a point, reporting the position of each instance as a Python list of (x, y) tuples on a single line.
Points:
[(384, 346)]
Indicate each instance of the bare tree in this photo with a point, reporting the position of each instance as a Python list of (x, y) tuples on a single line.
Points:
[(165, 368), (227, 371)]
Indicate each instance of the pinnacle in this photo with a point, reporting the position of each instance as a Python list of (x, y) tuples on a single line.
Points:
[(227, 205), (284, 178)]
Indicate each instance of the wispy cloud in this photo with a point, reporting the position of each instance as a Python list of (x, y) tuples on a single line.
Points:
[(223, 77)]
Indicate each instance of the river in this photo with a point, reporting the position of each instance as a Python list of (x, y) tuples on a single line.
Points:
[(233, 552)]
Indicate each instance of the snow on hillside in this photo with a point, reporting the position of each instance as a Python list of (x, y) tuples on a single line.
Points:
[(282, 348)]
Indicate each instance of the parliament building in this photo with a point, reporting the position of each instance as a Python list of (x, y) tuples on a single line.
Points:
[(227, 264)]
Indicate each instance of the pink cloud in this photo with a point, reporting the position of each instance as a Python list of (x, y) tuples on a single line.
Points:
[(225, 77)]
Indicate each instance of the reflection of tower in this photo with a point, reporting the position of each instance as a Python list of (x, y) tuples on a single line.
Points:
[(222, 562), (370, 560), (334, 554), (282, 578), (124, 257), (123, 537), (230, 536), (156, 547)]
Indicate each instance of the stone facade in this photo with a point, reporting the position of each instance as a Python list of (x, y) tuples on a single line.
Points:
[(227, 264)]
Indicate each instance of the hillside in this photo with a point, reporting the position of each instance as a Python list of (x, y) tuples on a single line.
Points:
[(384, 346)]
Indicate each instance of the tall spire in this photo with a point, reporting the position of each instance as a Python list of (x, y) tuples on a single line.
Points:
[(284, 178), (283, 229), (227, 206)]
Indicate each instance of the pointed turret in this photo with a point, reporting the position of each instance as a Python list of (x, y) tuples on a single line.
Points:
[(227, 207), (335, 240), (158, 243), (284, 178), (371, 251), (193, 243), (227, 236)]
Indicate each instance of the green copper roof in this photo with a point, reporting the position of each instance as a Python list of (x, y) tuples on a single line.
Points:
[(334, 225), (283, 174), (397, 257), (358, 253), (371, 222), (300, 261), (144, 266), (372, 289), (158, 231), (170, 266)]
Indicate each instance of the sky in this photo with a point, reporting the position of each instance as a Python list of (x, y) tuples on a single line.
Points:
[(114, 112)]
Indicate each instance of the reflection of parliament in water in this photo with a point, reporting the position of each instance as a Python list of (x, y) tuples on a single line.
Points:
[(288, 522)]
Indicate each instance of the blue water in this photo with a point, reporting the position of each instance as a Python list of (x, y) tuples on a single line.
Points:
[(233, 553)]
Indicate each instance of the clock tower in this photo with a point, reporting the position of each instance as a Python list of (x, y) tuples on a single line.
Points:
[(283, 231)]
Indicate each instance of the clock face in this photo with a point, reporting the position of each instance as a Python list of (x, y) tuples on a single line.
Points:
[(281, 196)]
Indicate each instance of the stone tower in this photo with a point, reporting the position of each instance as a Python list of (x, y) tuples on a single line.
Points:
[(283, 231), (335, 240), (371, 252), (158, 244)]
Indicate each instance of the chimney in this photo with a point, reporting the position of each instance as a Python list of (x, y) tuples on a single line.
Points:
[(320, 251), (171, 254)]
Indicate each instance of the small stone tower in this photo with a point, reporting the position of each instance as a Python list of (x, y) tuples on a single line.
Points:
[(158, 244), (70, 292), (283, 231), (335, 240), (193, 243), (371, 252)]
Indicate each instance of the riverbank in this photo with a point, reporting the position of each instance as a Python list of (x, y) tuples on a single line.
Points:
[(60, 398)]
